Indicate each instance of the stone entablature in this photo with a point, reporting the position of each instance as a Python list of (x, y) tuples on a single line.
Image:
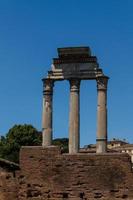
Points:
[(75, 64)]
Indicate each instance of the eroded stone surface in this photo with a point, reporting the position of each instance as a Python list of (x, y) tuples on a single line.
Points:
[(74, 62), (46, 174)]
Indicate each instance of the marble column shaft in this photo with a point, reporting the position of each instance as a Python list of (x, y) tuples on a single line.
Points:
[(101, 146), (74, 116), (47, 112)]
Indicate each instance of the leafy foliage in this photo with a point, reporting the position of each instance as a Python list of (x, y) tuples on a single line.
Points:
[(24, 135), (18, 135)]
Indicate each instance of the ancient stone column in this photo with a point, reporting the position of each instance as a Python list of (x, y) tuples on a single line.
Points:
[(101, 146), (74, 116), (47, 112)]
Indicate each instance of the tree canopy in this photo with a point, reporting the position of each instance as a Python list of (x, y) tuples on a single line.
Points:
[(24, 135), (17, 136)]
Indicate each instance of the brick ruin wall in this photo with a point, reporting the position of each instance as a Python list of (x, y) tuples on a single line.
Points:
[(46, 174), (8, 184)]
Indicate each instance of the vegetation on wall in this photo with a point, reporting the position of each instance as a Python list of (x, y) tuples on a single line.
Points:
[(63, 143)]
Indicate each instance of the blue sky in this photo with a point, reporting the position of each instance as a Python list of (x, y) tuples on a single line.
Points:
[(30, 33)]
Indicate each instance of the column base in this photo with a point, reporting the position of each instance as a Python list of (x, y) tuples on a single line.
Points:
[(73, 151), (46, 138), (101, 146)]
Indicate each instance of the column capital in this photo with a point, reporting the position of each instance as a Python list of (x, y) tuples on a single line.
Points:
[(102, 82), (48, 86), (74, 85)]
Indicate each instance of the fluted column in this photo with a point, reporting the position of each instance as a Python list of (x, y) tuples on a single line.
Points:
[(74, 116), (101, 146), (47, 112)]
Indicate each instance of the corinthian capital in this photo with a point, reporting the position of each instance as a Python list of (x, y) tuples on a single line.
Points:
[(102, 83), (74, 85), (48, 86)]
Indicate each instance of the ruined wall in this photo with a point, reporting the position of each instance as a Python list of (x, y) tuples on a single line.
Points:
[(48, 174), (8, 184)]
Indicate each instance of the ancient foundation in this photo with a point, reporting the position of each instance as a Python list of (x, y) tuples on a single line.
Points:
[(46, 174)]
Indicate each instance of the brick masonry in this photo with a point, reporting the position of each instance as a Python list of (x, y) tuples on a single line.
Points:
[(8, 180), (46, 174)]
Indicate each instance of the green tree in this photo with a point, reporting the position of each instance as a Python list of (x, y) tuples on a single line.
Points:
[(18, 135), (24, 135)]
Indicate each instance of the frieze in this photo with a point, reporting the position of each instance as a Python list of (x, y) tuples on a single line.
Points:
[(92, 59), (66, 75)]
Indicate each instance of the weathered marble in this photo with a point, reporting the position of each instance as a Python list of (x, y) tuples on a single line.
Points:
[(47, 112), (74, 116), (102, 115)]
